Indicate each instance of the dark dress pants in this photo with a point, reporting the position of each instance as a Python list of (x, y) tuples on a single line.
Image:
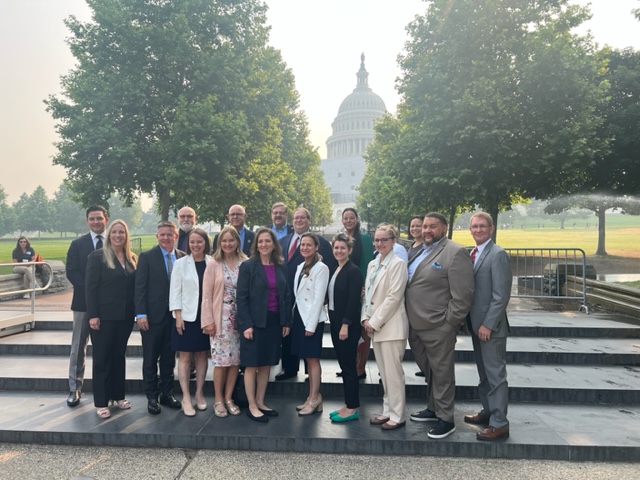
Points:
[(156, 351), (346, 355), (109, 347)]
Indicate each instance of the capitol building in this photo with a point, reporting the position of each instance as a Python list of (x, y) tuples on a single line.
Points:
[(352, 131)]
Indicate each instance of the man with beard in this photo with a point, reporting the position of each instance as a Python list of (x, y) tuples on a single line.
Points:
[(438, 298), (187, 221), (279, 217)]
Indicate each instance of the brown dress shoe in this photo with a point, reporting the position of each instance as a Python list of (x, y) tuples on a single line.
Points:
[(378, 420), (477, 418), (493, 433)]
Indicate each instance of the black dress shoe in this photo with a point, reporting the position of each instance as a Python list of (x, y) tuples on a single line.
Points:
[(269, 413), (261, 419), (170, 401), (192, 374), (285, 375), (153, 408), (74, 398)]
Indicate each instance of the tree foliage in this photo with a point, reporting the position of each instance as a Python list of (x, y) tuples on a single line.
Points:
[(7, 214), (613, 180), (34, 213), (183, 100), (499, 103)]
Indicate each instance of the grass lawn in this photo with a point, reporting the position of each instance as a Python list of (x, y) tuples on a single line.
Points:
[(53, 248)]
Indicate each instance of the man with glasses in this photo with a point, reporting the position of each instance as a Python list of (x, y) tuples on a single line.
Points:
[(186, 221), (237, 216), (279, 217), (489, 327), (292, 258), (438, 298)]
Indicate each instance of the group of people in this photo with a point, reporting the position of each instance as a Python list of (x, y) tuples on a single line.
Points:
[(255, 299)]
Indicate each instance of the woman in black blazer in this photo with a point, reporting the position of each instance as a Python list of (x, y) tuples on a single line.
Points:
[(109, 288), (345, 293), (264, 316)]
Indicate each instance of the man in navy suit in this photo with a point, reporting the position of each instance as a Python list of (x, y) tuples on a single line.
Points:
[(237, 216), (292, 258), (279, 217), (97, 219), (489, 328), (154, 319)]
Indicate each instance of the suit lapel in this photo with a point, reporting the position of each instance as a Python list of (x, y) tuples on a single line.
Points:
[(428, 260), (484, 254)]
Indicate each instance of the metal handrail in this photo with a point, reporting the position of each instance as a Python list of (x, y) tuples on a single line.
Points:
[(33, 279)]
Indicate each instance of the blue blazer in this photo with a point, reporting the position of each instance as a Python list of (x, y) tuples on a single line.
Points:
[(252, 295)]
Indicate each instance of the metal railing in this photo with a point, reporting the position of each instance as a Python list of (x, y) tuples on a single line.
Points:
[(33, 288), (136, 245), (551, 273)]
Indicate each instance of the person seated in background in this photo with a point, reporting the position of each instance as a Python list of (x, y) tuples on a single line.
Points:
[(21, 254)]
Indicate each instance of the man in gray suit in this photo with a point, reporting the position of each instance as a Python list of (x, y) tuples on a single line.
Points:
[(489, 328), (438, 298), (79, 250)]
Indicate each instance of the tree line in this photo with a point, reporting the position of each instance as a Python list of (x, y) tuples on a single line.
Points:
[(503, 102)]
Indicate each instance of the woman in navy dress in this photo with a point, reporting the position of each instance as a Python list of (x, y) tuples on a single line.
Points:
[(264, 318), (309, 315), (185, 299)]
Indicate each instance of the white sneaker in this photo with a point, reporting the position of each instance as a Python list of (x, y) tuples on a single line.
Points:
[(27, 296)]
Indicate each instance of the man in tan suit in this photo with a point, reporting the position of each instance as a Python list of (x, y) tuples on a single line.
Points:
[(438, 298)]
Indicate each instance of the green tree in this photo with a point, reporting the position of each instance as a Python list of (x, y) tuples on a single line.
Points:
[(7, 214), (34, 213), (613, 180), (131, 214), (68, 215), (499, 103), (183, 100)]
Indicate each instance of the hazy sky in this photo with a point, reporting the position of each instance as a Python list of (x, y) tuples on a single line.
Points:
[(320, 40)]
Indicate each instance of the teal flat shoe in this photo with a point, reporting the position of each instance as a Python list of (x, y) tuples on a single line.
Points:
[(333, 414), (348, 418)]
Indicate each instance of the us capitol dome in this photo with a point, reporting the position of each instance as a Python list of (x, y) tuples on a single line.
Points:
[(352, 132)]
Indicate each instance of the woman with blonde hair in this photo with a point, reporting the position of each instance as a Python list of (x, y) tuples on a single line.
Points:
[(385, 319), (110, 284), (219, 318)]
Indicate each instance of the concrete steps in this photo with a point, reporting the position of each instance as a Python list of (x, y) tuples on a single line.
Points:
[(574, 386)]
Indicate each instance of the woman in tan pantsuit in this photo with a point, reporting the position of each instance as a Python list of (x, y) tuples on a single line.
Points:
[(385, 320)]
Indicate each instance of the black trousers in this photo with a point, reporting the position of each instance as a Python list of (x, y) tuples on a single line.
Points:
[(109, 361), (157, 352), (346, 354)]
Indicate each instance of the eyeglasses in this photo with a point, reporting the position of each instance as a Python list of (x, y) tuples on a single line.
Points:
[(236, 214), (381, 240), (479, 227)]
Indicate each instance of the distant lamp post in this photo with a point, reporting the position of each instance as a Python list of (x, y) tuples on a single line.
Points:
[(369, 218)]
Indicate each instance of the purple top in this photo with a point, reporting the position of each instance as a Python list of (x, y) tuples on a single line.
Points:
[(270, 272)]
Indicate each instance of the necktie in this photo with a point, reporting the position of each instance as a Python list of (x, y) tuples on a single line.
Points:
[(292, 250), (169, 264), (474, 252), (99, 242)]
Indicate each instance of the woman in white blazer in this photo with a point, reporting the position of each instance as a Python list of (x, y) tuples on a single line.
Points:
[(309, 314), (185, 298), (385, 319)]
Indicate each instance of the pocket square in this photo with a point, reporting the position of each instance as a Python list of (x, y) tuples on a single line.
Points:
[(436, 265)]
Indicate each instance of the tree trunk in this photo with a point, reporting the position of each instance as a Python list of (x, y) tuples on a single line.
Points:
[(164, 205), (562, 220), (452, 216), (493, 211), (600, 213)]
